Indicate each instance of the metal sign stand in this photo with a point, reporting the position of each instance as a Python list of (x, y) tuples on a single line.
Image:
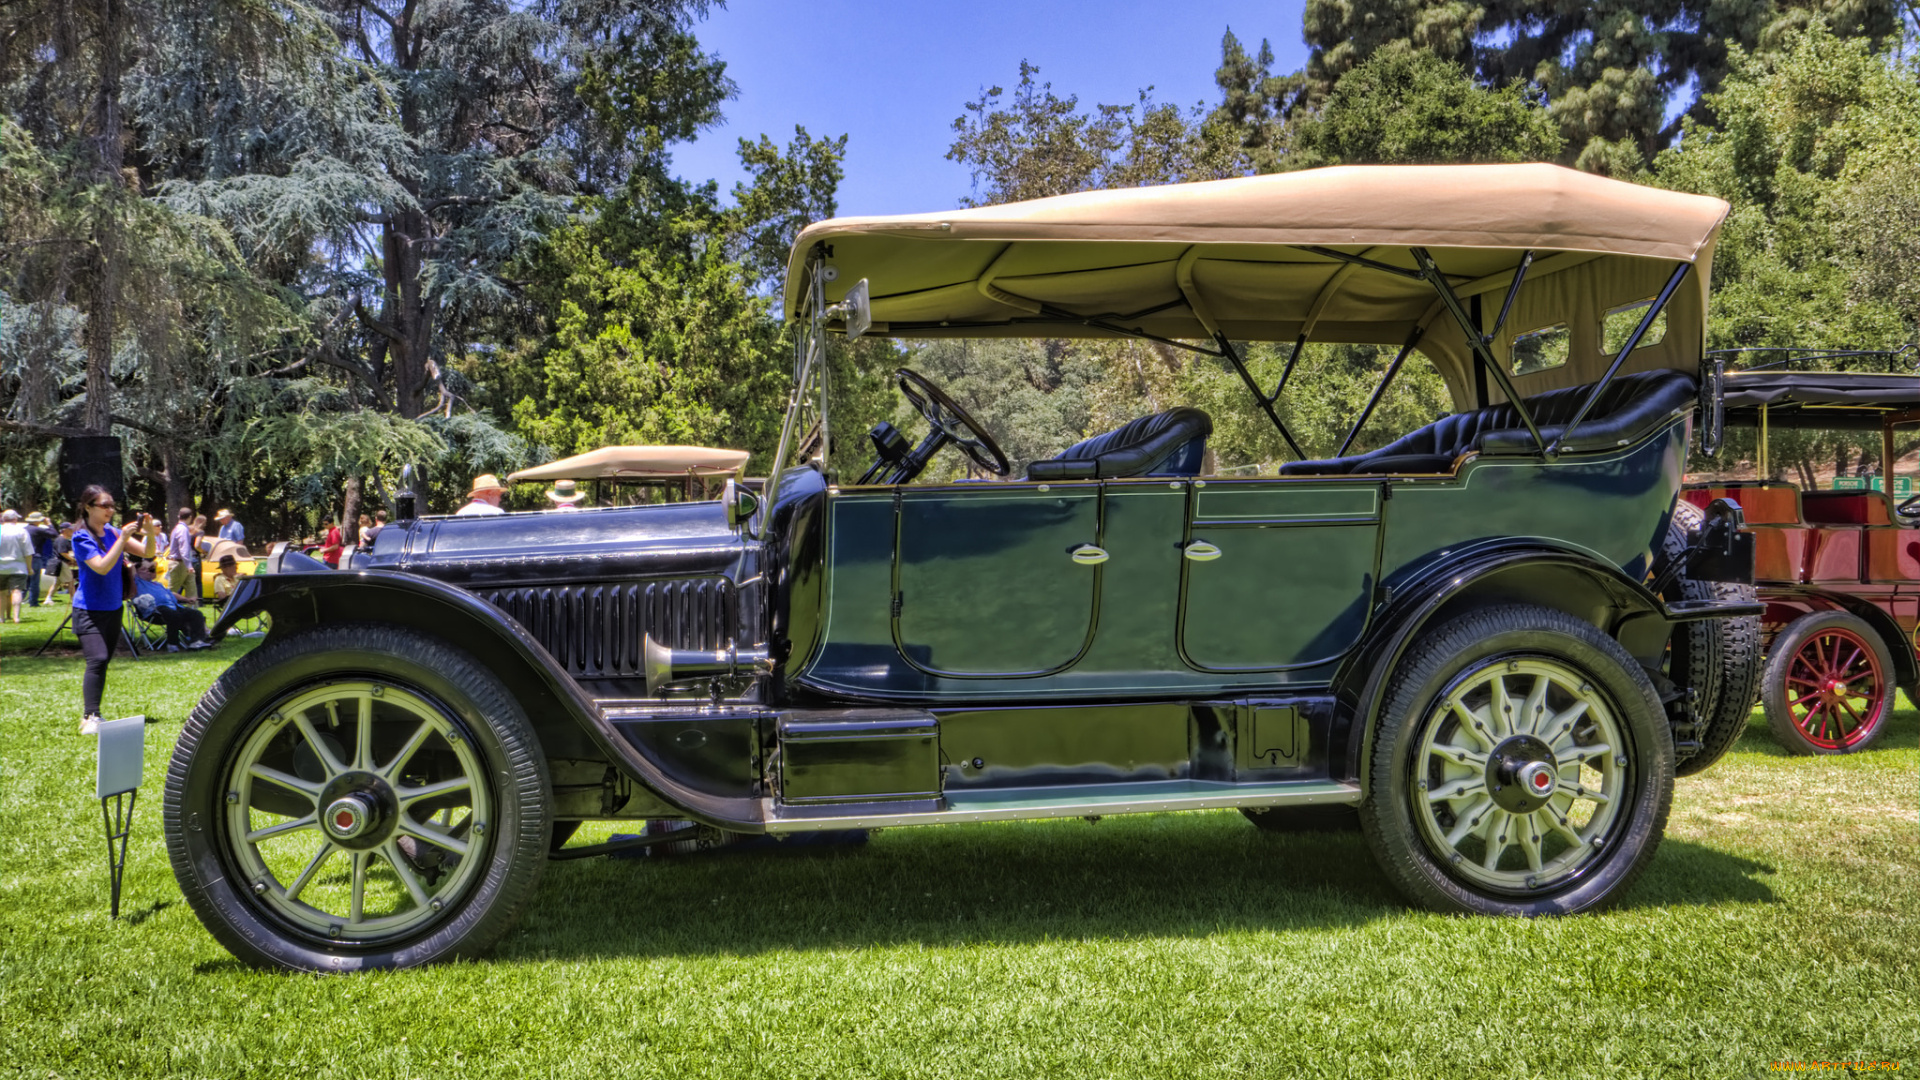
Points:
[(123, 747)]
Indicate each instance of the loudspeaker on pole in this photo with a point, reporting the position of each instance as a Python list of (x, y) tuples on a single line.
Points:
[(91, 459)]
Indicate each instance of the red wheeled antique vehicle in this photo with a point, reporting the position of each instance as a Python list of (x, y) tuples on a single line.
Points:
[(1838, 570)]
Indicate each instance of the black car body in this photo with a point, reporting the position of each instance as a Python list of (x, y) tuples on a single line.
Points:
[(1473, 635)]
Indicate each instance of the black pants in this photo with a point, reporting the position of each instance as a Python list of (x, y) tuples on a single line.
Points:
[(183, 624), (99, 632)]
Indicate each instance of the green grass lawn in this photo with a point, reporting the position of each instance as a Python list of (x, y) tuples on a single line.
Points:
[(1779, 922)]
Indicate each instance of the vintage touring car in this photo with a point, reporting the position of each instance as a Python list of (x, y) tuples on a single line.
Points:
[(1838, 570), (1489, 636)]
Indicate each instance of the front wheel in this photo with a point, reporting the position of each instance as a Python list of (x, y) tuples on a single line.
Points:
[(1522, 766), (1828, 687), (357, 797)]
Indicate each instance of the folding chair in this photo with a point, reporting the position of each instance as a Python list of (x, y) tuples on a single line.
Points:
[(144, 632)]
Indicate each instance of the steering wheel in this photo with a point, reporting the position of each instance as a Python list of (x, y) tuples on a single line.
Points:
[(952, 422), (1908, 507)]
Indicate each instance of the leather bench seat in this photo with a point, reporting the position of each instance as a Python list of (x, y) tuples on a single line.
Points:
[(1170, 443), (1632, 407)]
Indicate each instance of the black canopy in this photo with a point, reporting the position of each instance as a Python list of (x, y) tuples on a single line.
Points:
[(1819, 399)]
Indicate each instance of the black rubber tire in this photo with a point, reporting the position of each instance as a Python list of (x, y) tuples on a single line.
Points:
[(1773, 683), (194, 815), (1304, 819), (1718, 658), (1471, 643)]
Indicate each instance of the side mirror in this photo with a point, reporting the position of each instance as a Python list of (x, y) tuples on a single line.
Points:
[(854, 310), (740, 501)]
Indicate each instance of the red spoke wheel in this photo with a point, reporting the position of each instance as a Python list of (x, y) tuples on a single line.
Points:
[(1829, 684)]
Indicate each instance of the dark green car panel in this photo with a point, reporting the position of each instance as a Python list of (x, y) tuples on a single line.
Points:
[(991, 603)]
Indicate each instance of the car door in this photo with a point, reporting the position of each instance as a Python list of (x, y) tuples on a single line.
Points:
[(996, 579), (1277, 573)]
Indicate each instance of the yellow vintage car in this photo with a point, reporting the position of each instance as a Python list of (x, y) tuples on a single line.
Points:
[(211, 550)]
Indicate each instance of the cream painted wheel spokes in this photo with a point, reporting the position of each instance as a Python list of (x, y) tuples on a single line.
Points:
[(1520, 775), (358, 810)]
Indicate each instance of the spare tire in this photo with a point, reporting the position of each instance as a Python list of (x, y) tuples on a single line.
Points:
[(1718, 659)]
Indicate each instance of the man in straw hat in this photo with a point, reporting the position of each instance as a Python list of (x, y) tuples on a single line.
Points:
[(485, 496), (565, 495), (230, 527)]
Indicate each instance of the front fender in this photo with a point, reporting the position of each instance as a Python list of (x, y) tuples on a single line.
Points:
[(549, 695), (1564, 580)]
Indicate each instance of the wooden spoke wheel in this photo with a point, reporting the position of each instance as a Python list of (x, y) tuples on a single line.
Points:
[(1829, 684)]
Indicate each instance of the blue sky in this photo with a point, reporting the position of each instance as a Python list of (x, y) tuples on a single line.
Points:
[(893, 76)]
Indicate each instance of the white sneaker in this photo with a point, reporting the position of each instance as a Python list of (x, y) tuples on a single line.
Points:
[(90, 726)]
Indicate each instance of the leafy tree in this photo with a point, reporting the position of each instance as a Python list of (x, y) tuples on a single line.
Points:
[(1401, 108), (138, 308), (1036, 143), (1811, 144), (1806, 137), (1612, 73), (660, 324), (327, 210)]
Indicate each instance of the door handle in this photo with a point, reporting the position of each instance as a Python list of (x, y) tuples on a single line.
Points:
[(1089, 555), (1200, 551)]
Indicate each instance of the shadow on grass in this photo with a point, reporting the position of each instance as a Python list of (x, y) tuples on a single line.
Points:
[(1902, 733), (1175, 876), (148, 912)]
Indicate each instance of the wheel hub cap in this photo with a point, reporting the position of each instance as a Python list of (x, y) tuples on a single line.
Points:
[(1521, 773), (347, 818), (360, 810)]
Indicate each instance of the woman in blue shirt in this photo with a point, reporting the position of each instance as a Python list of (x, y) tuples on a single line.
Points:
[(100, 549)]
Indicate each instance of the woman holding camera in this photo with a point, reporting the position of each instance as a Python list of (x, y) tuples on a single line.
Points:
[(100, 551)]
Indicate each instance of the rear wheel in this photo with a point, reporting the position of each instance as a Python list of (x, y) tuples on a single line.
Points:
[(1718, 659), (357, 796), (1828, 687), (1522, 766)]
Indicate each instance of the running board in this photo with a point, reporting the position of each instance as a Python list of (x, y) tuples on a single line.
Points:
[(1024, 804)]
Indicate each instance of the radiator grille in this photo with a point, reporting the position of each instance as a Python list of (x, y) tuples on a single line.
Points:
[(595, 631)]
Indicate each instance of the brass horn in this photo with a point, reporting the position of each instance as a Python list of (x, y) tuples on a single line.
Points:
[(664, 666)]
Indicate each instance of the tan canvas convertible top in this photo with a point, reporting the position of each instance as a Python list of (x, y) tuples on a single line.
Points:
[(1187, 261), (638, 463)]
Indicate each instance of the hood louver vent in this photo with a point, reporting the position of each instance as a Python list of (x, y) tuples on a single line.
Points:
[(595, 631)]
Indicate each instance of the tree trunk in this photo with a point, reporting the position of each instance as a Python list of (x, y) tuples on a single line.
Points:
[(176, 483), (350, 513), (407, 238), (108, 157)]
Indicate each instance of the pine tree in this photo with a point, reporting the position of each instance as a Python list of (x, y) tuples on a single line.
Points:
[(117, 307), (1611, 72), (1255, 102)]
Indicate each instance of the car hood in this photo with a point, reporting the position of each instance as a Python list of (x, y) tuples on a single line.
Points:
[(567, 546)]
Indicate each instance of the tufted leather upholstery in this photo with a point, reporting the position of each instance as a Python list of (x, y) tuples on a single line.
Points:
[(1632, 407), (1168, 443)]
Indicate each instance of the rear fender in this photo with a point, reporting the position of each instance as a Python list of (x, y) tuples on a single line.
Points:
[(568, 722), (1566, 581)]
